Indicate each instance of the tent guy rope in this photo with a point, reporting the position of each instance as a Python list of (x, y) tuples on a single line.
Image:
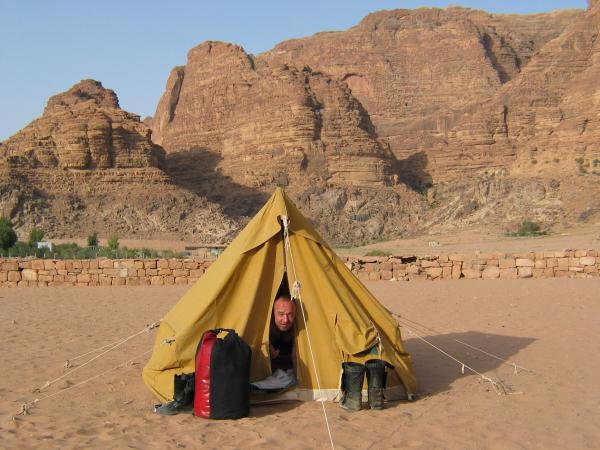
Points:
[(512, 364), (499, 387), (25, 407), (296, 294), (147, 328), (75, 358)]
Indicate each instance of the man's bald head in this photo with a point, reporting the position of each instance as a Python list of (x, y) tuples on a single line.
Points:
[(284, 312)]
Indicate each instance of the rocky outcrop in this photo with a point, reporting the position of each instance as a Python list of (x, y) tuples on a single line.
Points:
[(226, 113), (268, 123), (86, 165), (546, 118), (416, 72), (411, 120), (406, 99), (84, 129)]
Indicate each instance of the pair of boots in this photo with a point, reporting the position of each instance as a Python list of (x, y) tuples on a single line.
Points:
[(183, 396), (352, 381)]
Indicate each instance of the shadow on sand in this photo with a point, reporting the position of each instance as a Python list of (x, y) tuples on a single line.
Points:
[(272, 409), (436, 372)]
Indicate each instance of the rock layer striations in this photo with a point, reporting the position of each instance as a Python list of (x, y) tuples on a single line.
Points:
[(268, 122), (84, 128), (411, 120), (86, 165)]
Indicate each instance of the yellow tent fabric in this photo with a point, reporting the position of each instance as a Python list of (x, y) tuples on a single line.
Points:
[(343, 320)]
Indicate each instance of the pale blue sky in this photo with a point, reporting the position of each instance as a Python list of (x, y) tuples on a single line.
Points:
[(46, 46)]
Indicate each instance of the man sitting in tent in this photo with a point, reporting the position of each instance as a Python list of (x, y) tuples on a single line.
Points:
[(282, 333), (282, 342)]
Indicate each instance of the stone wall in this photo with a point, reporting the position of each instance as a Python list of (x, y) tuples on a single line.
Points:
[(134, 272), (102, 272), (570, 264)]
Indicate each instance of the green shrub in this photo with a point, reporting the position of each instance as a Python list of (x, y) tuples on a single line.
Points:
[(113, 242), (35, 235), (529, 228), (92, 240), (8, 237), (71, 250)]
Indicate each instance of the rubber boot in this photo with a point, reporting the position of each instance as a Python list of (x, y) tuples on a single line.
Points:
[(183, 396), (352, 382), (376, 382)]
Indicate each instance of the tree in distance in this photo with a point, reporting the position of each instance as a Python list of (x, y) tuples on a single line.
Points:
[(8, 237)]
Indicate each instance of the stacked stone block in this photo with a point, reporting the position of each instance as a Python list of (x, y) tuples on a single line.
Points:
[(102, 272), (570, 264), (161, 272)]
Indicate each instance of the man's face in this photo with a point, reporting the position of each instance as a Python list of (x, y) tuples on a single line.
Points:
[(285, 313)]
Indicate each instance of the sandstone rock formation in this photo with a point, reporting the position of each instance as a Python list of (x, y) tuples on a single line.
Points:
[(229, 115), (410, 121), (427, 93), (83, 128), (415, 71), (547, 120), (88, 165), (268, 123)]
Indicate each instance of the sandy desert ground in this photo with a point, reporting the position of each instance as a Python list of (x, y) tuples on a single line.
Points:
[(549, 326), (582, 237)]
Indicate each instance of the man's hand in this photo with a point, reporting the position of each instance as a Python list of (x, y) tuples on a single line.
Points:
[(273, 351)]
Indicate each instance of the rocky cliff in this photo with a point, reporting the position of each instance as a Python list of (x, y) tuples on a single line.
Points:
[(444, 101), (547, 120), (268, 123), (83, 128), (412, 120), (550, 113), (88, 165), (417, 71)]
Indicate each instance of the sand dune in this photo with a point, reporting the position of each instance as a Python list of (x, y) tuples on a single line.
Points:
[(549, 326)]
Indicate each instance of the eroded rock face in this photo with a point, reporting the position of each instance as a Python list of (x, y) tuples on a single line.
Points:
[(86, 165), (83, 128), (412, 120), (404, 99), (227, 115), (417, 72), (268, 123), (546, 119), (140, 203)]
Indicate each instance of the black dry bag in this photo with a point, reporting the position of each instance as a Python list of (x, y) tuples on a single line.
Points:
[(222, 376)]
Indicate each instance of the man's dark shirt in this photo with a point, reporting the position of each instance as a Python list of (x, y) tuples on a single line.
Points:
[(284, 342)]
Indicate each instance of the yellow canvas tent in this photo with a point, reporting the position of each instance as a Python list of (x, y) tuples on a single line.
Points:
[(337, 319)]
